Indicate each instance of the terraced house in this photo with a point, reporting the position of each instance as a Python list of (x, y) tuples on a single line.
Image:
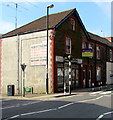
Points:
[(91, 65)]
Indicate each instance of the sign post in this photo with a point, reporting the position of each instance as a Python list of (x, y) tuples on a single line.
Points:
[(69, 59), (23, 66)]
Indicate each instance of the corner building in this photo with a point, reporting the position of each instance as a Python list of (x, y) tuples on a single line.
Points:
[(67, 36)]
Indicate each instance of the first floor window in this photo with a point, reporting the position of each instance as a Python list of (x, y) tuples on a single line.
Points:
[(111, 54), (98, 52), (60, 77), (68, 45), (98, 73), (84, 45)]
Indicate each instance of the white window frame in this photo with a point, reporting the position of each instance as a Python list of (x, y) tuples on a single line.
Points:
[(73, 24), (98, 52), (98, 73), (90, 46), (68, 44), (111, 54), (84, 46)]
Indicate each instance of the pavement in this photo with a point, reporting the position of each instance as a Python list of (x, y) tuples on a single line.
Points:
[(30, 96)]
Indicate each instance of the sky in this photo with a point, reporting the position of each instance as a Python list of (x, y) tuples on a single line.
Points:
[(95, 15)]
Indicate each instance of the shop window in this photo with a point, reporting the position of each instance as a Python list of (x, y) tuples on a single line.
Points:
[(90, 46), (77, 78), (98, 52), (111, 54), (60, 77), (66, 76), (68, 45), (84, 45), (98, 73), (73, 24)]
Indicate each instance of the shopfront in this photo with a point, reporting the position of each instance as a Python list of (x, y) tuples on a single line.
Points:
[(63, 76)]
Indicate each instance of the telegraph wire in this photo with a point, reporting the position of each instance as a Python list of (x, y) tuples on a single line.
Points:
[(32, 4)]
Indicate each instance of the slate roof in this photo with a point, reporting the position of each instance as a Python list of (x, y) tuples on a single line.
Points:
[(54, 20), (40, 23), (100, 39)]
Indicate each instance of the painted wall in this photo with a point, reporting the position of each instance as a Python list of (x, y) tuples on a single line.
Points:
[(29, 49), (109, 73)]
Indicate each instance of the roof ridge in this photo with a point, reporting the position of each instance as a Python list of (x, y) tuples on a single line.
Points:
[(35, 21)]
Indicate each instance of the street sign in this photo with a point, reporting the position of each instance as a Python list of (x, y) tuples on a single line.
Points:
[(59, 59), (23, 66), (79, 61)]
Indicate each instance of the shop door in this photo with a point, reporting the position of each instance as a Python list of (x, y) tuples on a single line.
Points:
[(77, 77), (60, 79), (73, 83), (84, 76), (66, 77), (90, 76)]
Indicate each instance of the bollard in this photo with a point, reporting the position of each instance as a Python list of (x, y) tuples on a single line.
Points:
[(93, 87)]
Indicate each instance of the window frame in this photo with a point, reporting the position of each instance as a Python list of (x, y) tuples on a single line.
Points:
[(85, 45), (110, 54), (90, 43), (98, 55), (99, 73), (73, 24), (70, 45)]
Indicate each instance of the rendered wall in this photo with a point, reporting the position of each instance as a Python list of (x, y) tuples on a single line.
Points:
[(18, 50)]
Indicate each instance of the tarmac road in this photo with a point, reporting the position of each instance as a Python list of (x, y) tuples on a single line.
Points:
[(95, 105)]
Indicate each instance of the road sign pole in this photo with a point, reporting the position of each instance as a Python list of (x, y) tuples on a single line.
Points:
[(23, 91), (23, 66), (69, 77)]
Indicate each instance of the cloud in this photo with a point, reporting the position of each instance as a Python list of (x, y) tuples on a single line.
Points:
[(6, 27)]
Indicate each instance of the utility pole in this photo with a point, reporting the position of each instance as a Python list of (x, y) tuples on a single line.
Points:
[(16, 15)]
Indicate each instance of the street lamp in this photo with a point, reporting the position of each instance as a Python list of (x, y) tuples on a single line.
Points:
[(47, 26)]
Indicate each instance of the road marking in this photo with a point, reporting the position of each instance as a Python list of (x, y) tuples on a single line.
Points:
[(6, 100), (7, 107), (18, 105), (91, 99), (65, 105), (101, 116), (108, 92), (12, 117), (95, 92), (38, 112), (30, 103)]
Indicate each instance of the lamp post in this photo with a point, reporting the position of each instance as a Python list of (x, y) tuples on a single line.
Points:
[(47, 27)]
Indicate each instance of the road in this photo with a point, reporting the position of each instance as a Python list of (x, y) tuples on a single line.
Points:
[(95, 105)]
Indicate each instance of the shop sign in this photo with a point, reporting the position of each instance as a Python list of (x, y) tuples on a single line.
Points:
[(59, 59), (79, 61), (87, 53)]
